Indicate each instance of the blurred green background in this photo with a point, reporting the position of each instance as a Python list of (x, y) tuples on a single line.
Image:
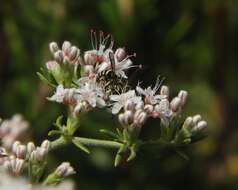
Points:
[(193, 43)]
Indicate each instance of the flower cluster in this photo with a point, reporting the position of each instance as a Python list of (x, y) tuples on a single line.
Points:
[(97, 78), (12, 129)]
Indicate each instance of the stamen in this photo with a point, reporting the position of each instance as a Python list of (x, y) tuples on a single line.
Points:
[(158, 83)]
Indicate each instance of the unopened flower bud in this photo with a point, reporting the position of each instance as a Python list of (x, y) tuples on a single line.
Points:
[(64, 170), (59, 57), (188, 123), (183, 95), (52, 66), (15, 146), (201, 125), (164, 90), (74, 54), (38, 155), (129, 105), (120, 54), (45, 144), (21, 151), (89, 58), (66, 46), (30, 147), (128, 117), (140, 118), (148, 108), (14, 165), (53, 47), (121, 119), (196, 119), (175, 104)]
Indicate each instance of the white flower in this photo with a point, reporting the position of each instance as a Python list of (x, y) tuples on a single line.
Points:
[(162, 109), (121, 99), (8, 182), (12, 129), (64, 95), (91, 93), (120, 66), (150, 94)]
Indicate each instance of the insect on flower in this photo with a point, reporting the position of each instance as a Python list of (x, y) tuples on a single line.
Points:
[(112, 83)]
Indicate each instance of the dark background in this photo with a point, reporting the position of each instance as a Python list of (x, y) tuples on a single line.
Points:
[(192, 43)]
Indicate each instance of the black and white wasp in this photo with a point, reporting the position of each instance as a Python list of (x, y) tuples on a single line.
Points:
[(110, 82)]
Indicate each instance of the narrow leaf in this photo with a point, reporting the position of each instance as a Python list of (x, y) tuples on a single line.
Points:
[(80, 145)]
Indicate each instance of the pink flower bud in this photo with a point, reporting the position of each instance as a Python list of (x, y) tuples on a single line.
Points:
[(164, 91), (53, 47), (66, 46), (30, 147), (175, 104), (46, 145), (59, 57), (120, 54), (21, 151), (52, 66), (89, 58), (201, 125), (183, 95), (196, 119), (64, 170), (74, 54), (188, 123), (128, 117)]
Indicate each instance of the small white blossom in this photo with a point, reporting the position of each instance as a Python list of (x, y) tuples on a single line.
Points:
[(64, 95), (150, 93), (162, 109), (120, 100), (91, 93), (12, 129)]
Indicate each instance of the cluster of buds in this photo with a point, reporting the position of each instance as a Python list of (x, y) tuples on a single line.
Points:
[(133, 114), (21, 154), (64, 170), (12, 130), (37, 154), (159, 105), (68, 53), (195, 124)]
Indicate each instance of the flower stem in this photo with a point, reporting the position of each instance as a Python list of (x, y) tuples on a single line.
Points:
[(86, 141)]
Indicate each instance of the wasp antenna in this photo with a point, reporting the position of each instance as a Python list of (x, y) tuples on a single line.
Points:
[(92, 40), (95, 39)]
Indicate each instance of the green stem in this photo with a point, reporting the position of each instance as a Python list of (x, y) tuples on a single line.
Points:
[(86, 141)]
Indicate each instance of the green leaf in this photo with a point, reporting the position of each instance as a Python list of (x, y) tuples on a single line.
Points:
[(77, 143), (109, 133), (59, 122), (44, 79), (132, 153), (119, 155), (54, 132)]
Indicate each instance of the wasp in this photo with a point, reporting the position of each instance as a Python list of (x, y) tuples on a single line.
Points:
[(110, 82)]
